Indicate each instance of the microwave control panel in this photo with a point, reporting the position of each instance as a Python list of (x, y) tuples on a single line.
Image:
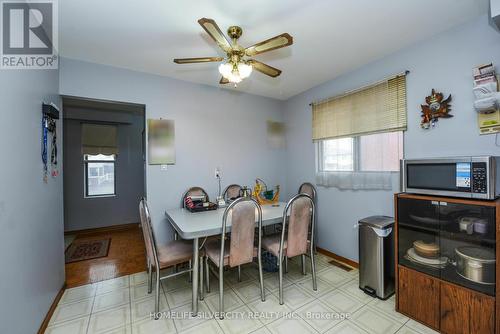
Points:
[(479, 177)]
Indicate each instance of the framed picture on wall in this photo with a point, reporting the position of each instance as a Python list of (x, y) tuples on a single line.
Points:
[(276, 134), (161, 142)]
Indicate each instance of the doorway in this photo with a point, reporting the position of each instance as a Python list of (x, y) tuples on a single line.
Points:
[(104, 180)]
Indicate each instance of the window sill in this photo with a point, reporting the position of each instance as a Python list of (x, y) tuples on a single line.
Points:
[(356, 180), (356, 171), (99, 196)]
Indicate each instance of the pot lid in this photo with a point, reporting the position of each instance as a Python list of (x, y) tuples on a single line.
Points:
[(476, 253)]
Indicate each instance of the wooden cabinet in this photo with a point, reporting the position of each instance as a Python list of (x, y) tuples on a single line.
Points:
[(465, 311), (482, 314), (445, 307), (418, 297), (454, 310), (441, 298)]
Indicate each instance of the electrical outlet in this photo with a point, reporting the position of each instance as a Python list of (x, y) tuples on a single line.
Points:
[(217, 173)]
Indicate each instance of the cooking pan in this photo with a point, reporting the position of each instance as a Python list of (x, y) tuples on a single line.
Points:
[(476, 264)]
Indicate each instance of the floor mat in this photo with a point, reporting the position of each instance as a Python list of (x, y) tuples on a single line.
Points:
[(81, 250)]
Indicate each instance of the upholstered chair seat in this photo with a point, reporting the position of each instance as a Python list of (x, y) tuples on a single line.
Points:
[(271, 243), (163, 256), (212, 250), (175, 252)]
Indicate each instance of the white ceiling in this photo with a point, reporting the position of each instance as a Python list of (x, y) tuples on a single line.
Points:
[(331, 37)]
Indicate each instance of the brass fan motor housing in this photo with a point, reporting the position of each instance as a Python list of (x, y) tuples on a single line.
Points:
[(234, 32), (235, 53)]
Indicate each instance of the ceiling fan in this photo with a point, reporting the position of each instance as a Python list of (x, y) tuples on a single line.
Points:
[(237, 65)]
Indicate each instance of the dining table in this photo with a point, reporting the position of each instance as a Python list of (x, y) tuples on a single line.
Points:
[(197, 226)]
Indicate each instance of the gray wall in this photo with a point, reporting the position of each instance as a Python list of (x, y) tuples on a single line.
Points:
[(444, 62), (85, 213), (213, 127), (31, 212)]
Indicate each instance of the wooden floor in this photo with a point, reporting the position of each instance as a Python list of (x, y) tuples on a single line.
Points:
[(126, 256)]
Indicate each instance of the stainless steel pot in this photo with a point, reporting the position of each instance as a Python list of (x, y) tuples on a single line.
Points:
[(476, 264)]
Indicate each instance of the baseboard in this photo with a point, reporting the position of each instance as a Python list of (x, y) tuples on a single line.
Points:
[(351, 263), (52, 308), (106, 229)]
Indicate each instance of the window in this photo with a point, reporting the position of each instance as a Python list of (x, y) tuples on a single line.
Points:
[(370, 153), (359, 135), (99, 175), (337, 155)]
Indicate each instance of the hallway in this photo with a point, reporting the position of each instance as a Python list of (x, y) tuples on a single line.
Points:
[(126, 256)]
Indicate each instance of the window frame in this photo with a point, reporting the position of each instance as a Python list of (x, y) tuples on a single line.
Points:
[(86, 176), (320, 156), (356, 155)]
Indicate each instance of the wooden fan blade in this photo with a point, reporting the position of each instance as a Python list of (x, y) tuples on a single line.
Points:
[(223, 81), (274, 43), (197, 60), (266, 69), (213, 30)]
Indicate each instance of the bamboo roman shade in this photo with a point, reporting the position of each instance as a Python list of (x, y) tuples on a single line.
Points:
[(99, 139), (377, 108)]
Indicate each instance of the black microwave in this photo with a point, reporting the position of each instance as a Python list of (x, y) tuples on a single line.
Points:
[(469, 177)]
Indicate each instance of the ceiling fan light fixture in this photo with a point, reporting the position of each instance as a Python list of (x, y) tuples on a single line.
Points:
[(237, 65), (226, 70), (235, 78), (230, 72), (245, 70)]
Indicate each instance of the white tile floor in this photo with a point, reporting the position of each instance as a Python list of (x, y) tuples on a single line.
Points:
[(122, 305)]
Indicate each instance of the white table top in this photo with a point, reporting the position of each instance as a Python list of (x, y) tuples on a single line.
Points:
[(191, 225)]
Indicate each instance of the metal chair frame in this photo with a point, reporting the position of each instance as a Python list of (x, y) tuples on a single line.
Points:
[(315, 199), (281, 256), (224, 193), (183, 204), (220, 275), (154, 264)]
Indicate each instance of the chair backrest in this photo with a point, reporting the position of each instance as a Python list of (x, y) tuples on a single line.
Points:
[(193, 191), (243, 212), (232, 192), (299, 215), (147, 232), (308, 188)]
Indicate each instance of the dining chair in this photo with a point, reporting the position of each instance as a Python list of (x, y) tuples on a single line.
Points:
[(193, 191), (293, 240), (162, 257), (308, 188), (240, 248), (232, 192)]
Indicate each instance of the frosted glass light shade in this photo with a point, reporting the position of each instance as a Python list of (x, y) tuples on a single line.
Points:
[(225, 70), (235, 75), (244, 70)]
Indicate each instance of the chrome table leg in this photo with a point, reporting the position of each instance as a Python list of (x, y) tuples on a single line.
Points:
[(196, 267), (303, 260), (190, 273), (202, 292), (207, 274)]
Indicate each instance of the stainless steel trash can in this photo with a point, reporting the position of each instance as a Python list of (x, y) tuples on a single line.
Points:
[(376, 256)]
